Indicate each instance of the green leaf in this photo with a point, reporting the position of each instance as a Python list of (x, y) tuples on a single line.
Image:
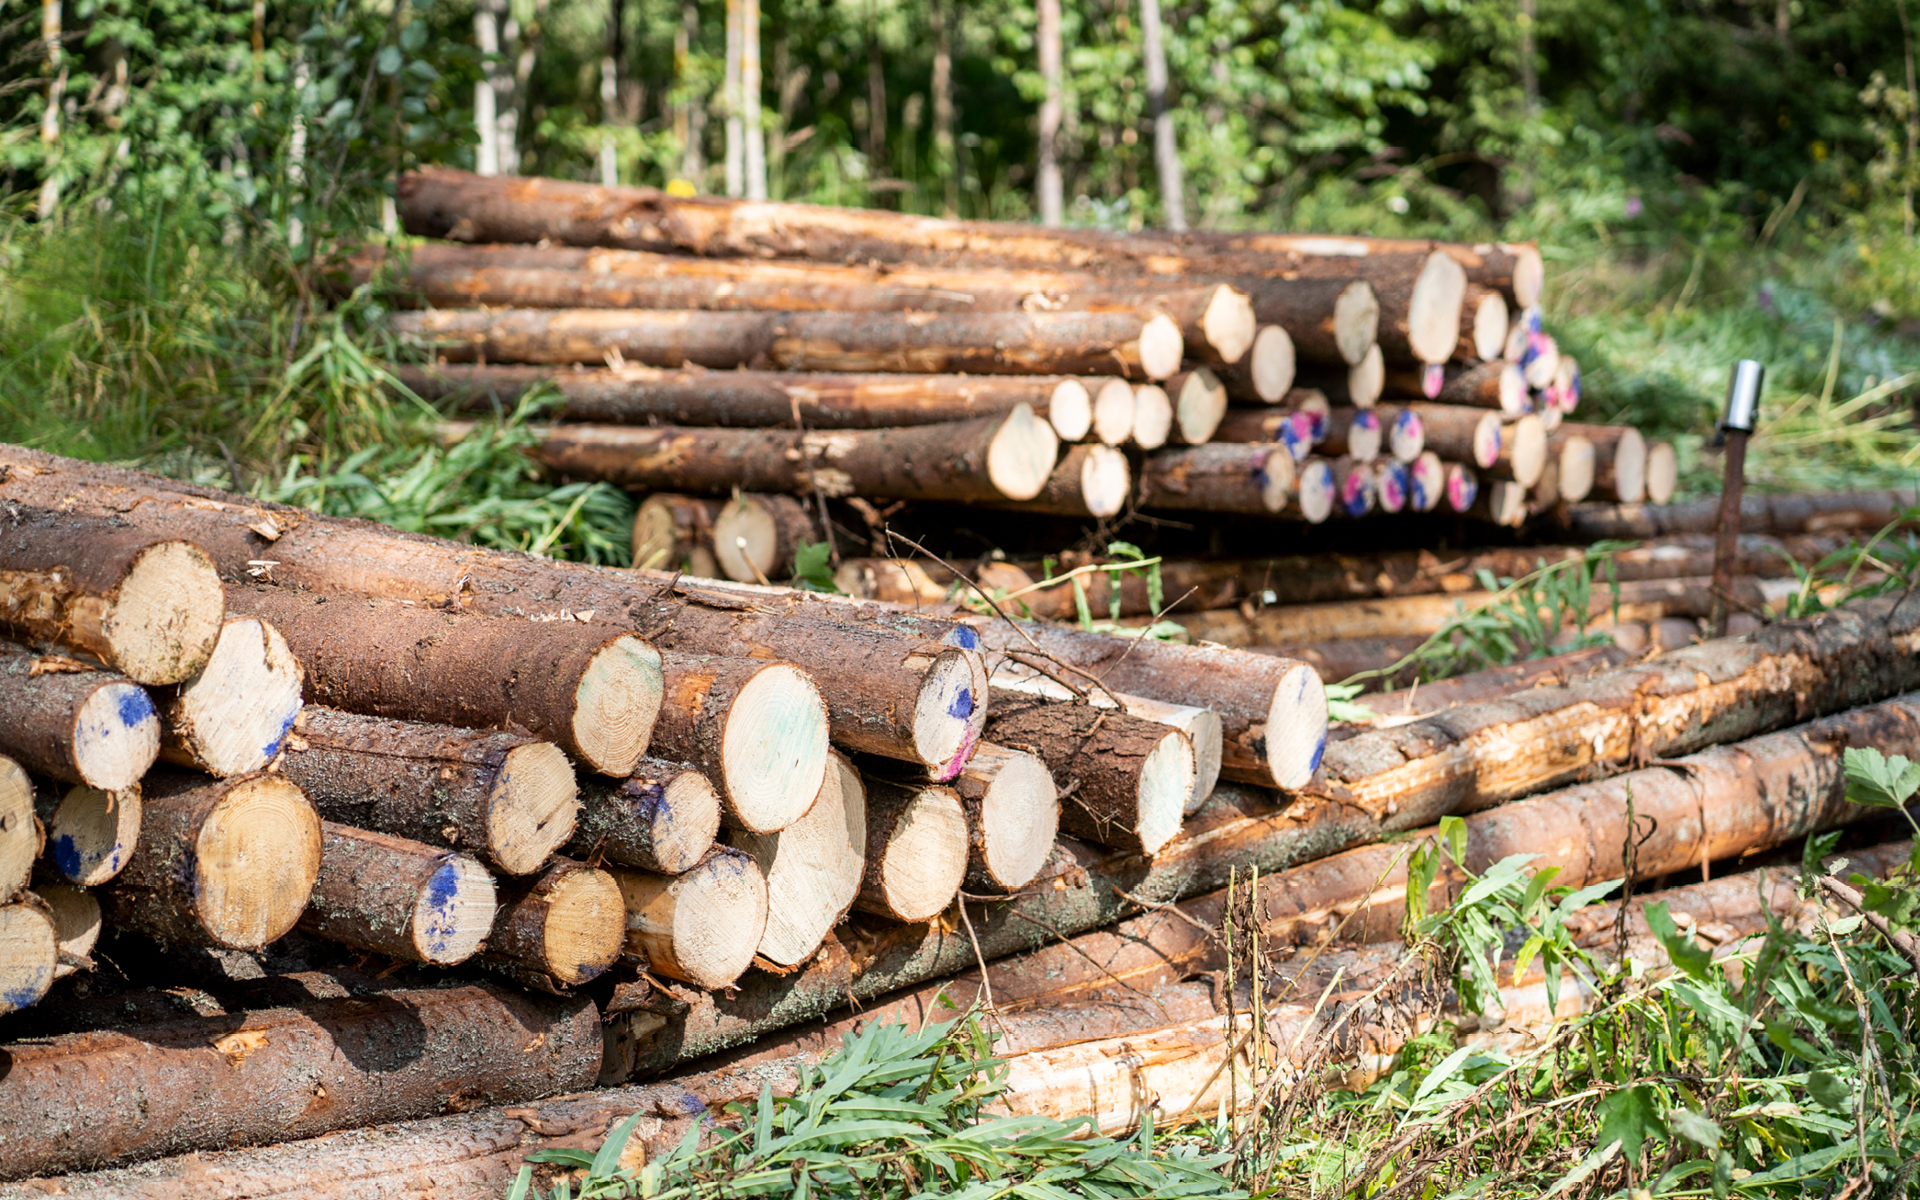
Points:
[(1536, 888), (1696, 1127), (522, 1183), (1453, 832), (607, 1161), (1830, 1091), (1685, 953), (1816, 850), (1629, 1116), (813, 566), (1875, 780)]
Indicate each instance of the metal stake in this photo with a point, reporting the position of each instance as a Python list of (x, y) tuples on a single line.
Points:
[(1742, 414)]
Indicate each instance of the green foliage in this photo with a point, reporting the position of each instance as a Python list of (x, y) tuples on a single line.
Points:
[(893, 1114), (813, 567)]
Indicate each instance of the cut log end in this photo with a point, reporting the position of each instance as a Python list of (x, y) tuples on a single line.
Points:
[(584, 927), (454, 912), (672, 533), (1490, 323), (1296, 730), (163, 621), (919, 869), (701, 927), (774, 751), (1576, 469), (1105, 480), (1363, 435), (1315, 490), (1427, 482), (615, 705), (1529, 276), (1273, 364), (1488, 437), (1152, 416), (1515, 399), (948, 712), (236, 715), (255, 862), (1070, 410), (1227, 323), (1166, 785), (1406, 435), (1208, 736), (1663, 472), (91, 834), (813, 867), (1356, 321), (1276, 474), (1161, 346), (76, 923), (1527, 450), (1113, 412), (685, 822), (531, 810), (1021, 454), (29, 954), (1199, 406), (116, 737), (1390, 484), (1019, 816), (1630, 467), (19, 830), (1463, 487), (1433, 313), (1367, 379), (753, 536)]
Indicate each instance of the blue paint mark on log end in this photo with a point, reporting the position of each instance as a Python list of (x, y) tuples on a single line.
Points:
[(280, 738), (136, 708), (66, 856), (1319, 752), (965, 637), (962, 706)]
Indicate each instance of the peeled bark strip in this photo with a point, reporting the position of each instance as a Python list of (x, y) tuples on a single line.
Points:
[(562, 927), (90, 834), (890, 688), (61, 718), (29, 957), (675, 533), (1267, 373), (227, 862), (1013, 814), (76, 923), (1498, 385), (1230, 477), (754, 537), (917, 849), (701, 926), (593, 694), (1715, 692), (696, 397), (757, 729), (1140, 345), (404, 899), (1199, 405), (21, 835), (813, 867), (149, 608), (663, 818), (1126, 781), (505, 797), (236, 715), (93, 1099)]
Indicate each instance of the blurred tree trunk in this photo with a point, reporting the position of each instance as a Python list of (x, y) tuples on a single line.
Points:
[(1052, 199), (730, 101), (50, 25), (945, 162), (750, 107), (1529, 80), (1166, 147), (689, 115), (878, 165), (610, 94)]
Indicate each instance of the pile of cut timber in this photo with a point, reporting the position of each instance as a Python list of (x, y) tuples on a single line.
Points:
[(795, 363)]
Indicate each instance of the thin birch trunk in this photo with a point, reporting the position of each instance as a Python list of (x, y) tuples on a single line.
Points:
[(1052, 198), (486, 38), (1166, 151), (945, 161), (730, 100), (750, 109)]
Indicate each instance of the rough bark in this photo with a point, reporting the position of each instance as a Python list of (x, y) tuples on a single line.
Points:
[(663, 818), (21, 835), (675, 533), (1420, 293), (235, 716), (702, 925), (147, 607), (1779, 515), (758, 730), (917, 847), (506, 797), (400, 898), (557, 929), (1330, 321), (593, 694), (62, 718), (228, 862), (1138, 344), (1223, 477), (95, 1099), (813, 867), (90, 834), (1410, 701), (1497, 385)]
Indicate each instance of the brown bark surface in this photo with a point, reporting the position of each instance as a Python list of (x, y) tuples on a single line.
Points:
[(559, 928), (1477, 386), (1224, 477), (1096, 757), (637, 823), (95, 1099), (1304, 307), (370, 892), (61, 718), (1061, 343), (1393, 277), (1780, 515), (384, 658), (432, 783)]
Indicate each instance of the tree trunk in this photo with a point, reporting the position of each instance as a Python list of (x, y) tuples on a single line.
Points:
[(890, 690), (147, 607), (504, 797), (558, 929), (1497, 385), (754, 537), (235, 716), (227, 862), (731, 100), (29, 955), (813, 867), (1166, 147), (21, 835), (946, 161), (1331, 321), (751, 110), (402, 899), (595, 696), (991, 458), (675, 533), (701, 926), (662, 819), (757, 730), (91, 834), (917, 850), (62, 718), (1048, 186), (1223, 477), (1140, 345), (93, 1099), (690, 112)]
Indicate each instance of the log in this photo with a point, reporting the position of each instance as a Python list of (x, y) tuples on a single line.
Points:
[(1427, 482), (663, 818), (1327, 320), (558, 929), (1112, 413), (701, 926), (1523, 452), (1467, 435), (1421, 294), (1492, 683), (675, 533), (1463, 487), (917, 850), (1139, 344), (1760, 513), (406, 900), (90, 834), (148, 608), (813, 867), (1353, 433), (1498, 385), (890, 690), (1152, 416), (1298, 422), (754, 536), (1199, 405), (93, 1099), (1354, 494), (1231, 477), (1013, 815), (1090, 480), (988, 459), (593, 694), (1359, 386), (1266, 374), (1483, 325), (696, 397), (1539, 360), (758, 730), (1125, 782), (29, 957), (234, 717), (1574, 457), (229, 862), (1663, 472), (1563, 393), (1501, 502), (1406, 433), (1619, 460), (61, 718), (76, 924), (21, 835), (1201, 725), (506, 798), (1714, 692), (1216, 322)]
